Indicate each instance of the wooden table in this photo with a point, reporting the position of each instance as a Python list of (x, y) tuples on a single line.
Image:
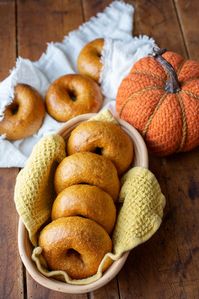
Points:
[(167, 266)]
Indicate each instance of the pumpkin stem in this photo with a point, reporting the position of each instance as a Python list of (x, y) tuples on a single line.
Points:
[(172, 83)]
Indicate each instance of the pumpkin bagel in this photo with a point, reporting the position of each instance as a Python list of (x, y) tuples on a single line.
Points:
[(76, 245), (24, 116), (86, 201), (87, 168), (89, 60), (105, 138), (72, 95)]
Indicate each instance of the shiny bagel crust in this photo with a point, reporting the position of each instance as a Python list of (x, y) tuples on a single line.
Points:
[(86, 201), (24, 116), (87, 168), (89, 59), (72, 95), (109, 139), (76, 245)]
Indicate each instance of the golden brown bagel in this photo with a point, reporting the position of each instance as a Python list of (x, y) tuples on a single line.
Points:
[(24, 116), (105, 138), (87, 201), (75, 245), (89, 60), (71, 95), (88, 168)]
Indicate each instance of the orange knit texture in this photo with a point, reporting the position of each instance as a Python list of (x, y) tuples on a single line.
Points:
[(169, 122)]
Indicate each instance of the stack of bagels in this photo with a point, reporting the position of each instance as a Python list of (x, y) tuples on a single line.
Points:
[(87, 185), (68, 96)]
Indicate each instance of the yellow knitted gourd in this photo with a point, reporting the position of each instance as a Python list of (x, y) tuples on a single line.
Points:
[(34, 191)]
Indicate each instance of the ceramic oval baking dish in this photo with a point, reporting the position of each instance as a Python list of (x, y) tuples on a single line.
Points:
[(25, 247)]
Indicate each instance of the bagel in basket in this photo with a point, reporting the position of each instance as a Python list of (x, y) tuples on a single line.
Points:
[(87, 168), (105, 138), (75, 245), (86, 201)]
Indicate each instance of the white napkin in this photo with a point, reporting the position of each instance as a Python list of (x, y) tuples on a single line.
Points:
[(120, 51)]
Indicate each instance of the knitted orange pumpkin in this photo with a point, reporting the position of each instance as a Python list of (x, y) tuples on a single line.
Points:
[(160, 97)]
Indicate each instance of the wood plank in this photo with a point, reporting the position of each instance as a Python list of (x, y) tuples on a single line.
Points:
[(167, 265), (36, 291), (11, 277), (7, 38), (158, 20), (109, 291), (92, 7), (188, 12), (150, 18), (40, 22)]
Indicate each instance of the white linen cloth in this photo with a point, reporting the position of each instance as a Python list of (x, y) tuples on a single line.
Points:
[(120, 51)]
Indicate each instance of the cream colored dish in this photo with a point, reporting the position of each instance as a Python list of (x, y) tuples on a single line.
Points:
[(25, 247)]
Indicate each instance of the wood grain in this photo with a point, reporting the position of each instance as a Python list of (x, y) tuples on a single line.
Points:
[(92, 7), (152, 18), (44, 21), (36, 291), (7, 38), (11, 280), (158, 19), (166, 267), (109, 291), (188, 13)]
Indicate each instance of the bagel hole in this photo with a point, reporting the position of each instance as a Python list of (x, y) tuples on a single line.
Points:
[(99, 55), (72, 95), (72, 252), (14, 107), (98, 150)]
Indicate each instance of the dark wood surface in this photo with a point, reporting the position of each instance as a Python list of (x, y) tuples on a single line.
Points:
[(167, 266)]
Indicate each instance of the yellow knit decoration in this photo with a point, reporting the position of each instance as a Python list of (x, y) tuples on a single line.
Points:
[(105, 115), (34, 191), (139, 218), (142, 210)]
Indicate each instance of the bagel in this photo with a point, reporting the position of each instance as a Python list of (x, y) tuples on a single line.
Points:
[(76, 245), (105, 138), (87, 168), (89, 59), (87, 201), (24, 116), (71, 95)]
